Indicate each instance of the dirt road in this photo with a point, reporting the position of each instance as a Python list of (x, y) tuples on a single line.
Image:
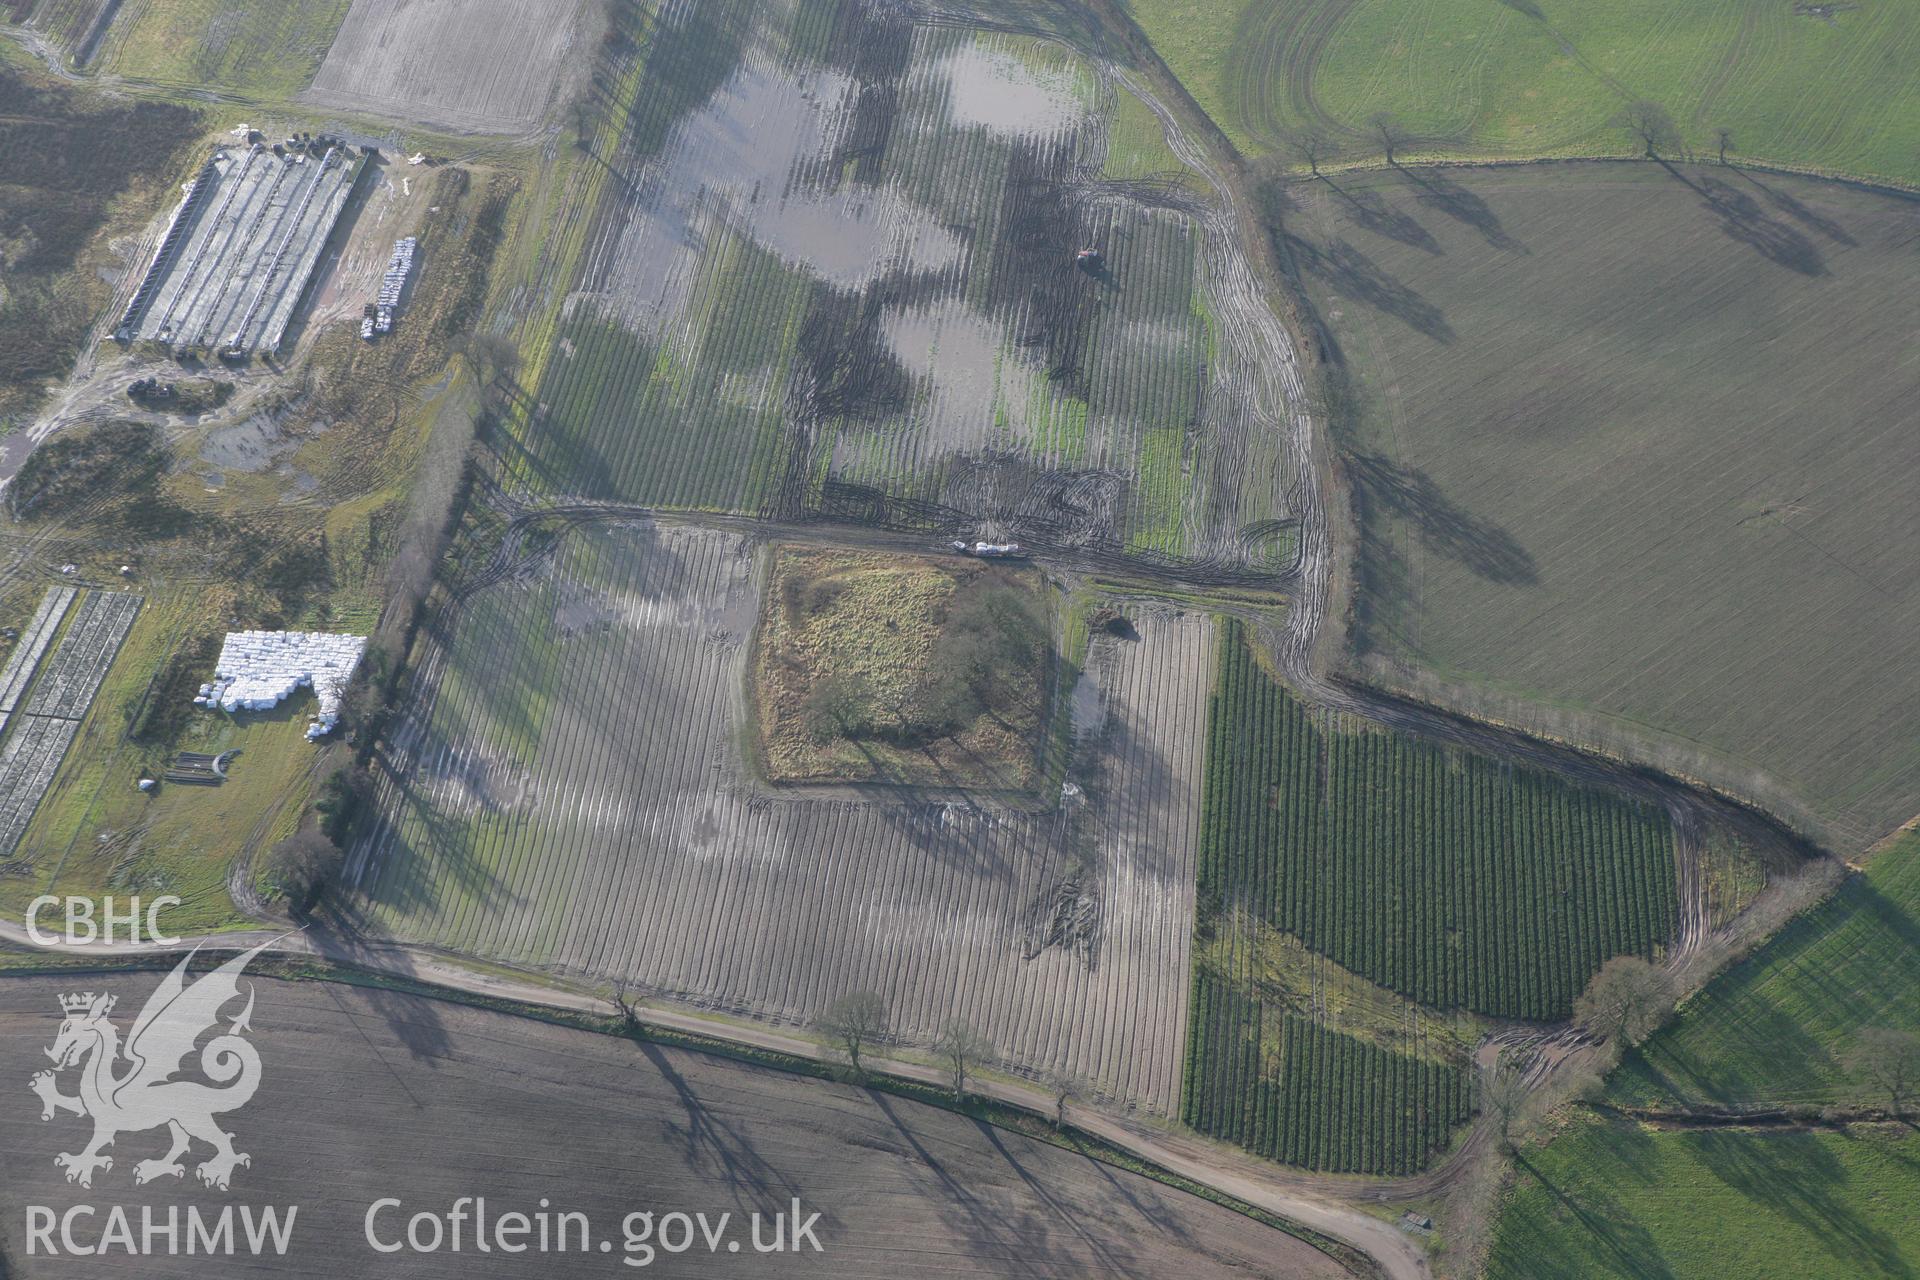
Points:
[(448, 1102), (1397, 1254)]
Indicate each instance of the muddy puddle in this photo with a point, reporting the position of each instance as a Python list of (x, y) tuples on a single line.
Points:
[(992, 87), (1088, 707), (731, 166), (253, 444)]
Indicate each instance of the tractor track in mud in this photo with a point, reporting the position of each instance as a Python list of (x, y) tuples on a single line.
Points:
[(513, 556)]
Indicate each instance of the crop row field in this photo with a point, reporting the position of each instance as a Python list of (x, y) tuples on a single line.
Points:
[(32, 645), (59, 685), (1458, 880), (1778, 1030), (840, 271), (1623, 451), (1825, 87), (567, 790), (76, 25), (1304, 1094)]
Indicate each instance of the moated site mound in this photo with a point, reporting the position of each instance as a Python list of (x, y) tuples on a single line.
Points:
[(901, 669)]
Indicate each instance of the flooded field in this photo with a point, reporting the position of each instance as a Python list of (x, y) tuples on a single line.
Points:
[(855, 263)]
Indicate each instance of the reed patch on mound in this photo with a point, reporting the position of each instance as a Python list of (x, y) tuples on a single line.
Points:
[(900, 669)]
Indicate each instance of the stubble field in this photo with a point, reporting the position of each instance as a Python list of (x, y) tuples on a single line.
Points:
[(480, 66), (240, 45), (1626, 443), (569, 791)]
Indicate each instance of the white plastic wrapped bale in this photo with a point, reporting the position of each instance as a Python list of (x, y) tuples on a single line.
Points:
[(260, 669)]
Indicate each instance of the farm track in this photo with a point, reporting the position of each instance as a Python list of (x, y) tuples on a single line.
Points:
[(513, 556), (1317, 1202)]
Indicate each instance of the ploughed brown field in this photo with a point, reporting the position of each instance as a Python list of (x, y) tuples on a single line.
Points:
[(367, 1094)]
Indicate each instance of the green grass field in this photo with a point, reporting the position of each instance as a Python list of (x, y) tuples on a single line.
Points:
[(1612, 1199), (242, 45), (1510, 78), (1623, 444), (1775, 1031)]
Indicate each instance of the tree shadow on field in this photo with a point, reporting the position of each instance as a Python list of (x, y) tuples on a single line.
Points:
[(1352, 274), (1742, 219), (1795, 1177), (1016, 1238), (1110, 1263), (1441, 193), (1375, 213), (1800, 213), (1381, 484), (712, 1147), (1614, 1238)]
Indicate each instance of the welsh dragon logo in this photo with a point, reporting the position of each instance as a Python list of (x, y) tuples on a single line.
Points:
[(130, 1088)]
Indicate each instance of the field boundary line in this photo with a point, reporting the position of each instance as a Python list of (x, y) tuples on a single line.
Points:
[(1390, 1252)]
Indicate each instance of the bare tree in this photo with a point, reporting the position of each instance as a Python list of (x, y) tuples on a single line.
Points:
[(491, 355), (1650, 123), (1626, 1000), (1065, 1088), (1724, 138), (1503, 1092), (1389, 130), (1886, 1063), (962, 1048), (303, 865), (627, 998), (853, 1022), (1313, 146)]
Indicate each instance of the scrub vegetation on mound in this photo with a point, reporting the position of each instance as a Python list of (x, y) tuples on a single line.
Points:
[(931, 672), (70, 157), (1827, 87), (83, 467), (1785, 1027), (1622, 444), (1612, 1199)]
